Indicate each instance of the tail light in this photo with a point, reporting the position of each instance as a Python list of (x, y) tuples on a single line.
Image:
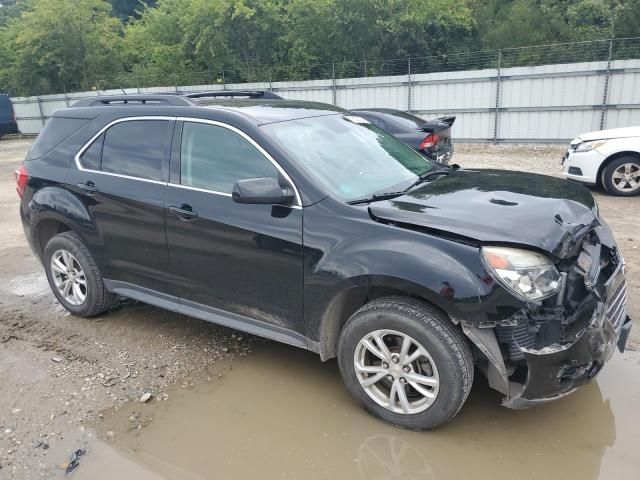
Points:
[(429, 141), (22, 176)]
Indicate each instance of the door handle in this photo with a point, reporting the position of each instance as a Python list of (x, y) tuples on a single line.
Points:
[(89, 187), (184, 212)]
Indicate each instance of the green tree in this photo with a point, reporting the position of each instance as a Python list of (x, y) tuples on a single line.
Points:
[(129, 8), (178, 37), (7, 12), (513, 23), (57, 45), (369, 30)]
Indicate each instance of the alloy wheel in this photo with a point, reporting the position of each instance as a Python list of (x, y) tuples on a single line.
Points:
[(626, 178), (396, 371), (68, 277)]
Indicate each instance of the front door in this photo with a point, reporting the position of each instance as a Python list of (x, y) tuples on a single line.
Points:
[(238, 258)]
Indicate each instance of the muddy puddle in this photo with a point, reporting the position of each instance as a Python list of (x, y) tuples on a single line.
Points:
[(281, 413)]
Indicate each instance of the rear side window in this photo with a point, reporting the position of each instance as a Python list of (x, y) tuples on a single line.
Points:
[(214, 158), (135, 148), (57, 130)]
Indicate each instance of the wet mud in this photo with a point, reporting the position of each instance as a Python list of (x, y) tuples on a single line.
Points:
[(281, 413)]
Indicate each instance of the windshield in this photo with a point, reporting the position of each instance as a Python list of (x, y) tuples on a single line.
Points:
[(348, 156)]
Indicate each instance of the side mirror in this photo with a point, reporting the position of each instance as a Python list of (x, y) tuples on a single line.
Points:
[(261, 191)]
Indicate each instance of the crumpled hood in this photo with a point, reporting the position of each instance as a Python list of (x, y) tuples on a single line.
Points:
[(499, 206), (611, 133)]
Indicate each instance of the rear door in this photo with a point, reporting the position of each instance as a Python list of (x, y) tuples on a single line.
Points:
[(238, 258), (122, 178)]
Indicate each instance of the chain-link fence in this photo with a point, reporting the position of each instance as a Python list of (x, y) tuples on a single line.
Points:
[(588, 51), (546, 93)]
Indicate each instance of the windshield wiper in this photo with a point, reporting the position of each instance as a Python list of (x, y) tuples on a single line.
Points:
[(389, 195), (376, 197), (426, 176)]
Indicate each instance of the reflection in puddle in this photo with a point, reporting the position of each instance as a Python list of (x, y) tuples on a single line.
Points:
[(389, 457), (283, 414)]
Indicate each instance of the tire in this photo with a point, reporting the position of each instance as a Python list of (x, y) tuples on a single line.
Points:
[(97, 299), (617, 167), (450, 362)]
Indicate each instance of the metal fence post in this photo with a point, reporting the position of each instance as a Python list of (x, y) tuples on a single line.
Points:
[(333, 80), (607, 79), (497, 110), (409, 87), (40, 110), (224, 84), (270, 84)]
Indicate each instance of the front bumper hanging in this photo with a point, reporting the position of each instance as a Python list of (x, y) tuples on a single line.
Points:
[(557, 370)]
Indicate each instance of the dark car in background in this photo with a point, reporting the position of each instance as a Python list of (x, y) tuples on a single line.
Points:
[(302, 223), (432, 138), (8, 122)]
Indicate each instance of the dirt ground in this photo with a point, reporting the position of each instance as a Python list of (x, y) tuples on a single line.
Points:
[(68, 383)]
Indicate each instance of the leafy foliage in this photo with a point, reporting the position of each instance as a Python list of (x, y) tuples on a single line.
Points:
[(56, 45)]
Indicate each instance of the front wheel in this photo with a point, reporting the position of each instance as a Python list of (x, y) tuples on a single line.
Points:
[(405, 362), (622, 176)]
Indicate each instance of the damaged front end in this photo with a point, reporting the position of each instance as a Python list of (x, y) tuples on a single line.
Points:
[(549, 348)]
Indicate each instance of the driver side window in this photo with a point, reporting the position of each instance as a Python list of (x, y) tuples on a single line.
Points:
[(214, 158)]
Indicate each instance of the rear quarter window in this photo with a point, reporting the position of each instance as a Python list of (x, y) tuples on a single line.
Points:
[(135, 148), (92, 156), (56, 131)]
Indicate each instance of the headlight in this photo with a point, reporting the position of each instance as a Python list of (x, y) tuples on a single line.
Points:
[(588, 146), (529, 275)]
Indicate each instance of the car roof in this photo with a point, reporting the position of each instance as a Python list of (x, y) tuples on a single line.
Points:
[(258, 111), (271, 111)]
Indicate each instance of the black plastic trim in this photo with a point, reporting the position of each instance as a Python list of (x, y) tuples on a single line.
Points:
[(209, 314)]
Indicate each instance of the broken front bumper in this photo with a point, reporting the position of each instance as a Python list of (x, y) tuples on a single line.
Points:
[(554, 373), (557, 370)]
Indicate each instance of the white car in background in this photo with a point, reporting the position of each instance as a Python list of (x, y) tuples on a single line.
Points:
[(609, 158)]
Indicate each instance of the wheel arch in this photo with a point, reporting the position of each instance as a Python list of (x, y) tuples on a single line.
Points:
[(53, 210), (45, 230), (352, 298), (611, 158)]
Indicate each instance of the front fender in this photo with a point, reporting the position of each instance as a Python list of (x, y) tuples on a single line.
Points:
[(356, 254), (618, 145)]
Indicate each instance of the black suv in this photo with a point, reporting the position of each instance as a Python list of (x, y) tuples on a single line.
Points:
[(304, 223)]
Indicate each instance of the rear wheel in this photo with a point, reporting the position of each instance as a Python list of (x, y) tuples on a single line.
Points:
[(74, 276), (622, 176), (406, 362)]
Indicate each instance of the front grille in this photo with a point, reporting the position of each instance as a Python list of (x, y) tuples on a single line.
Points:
[(616, 305)]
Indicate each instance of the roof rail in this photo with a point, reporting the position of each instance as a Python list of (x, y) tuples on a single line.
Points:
[(235, 93), (144, 99)]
